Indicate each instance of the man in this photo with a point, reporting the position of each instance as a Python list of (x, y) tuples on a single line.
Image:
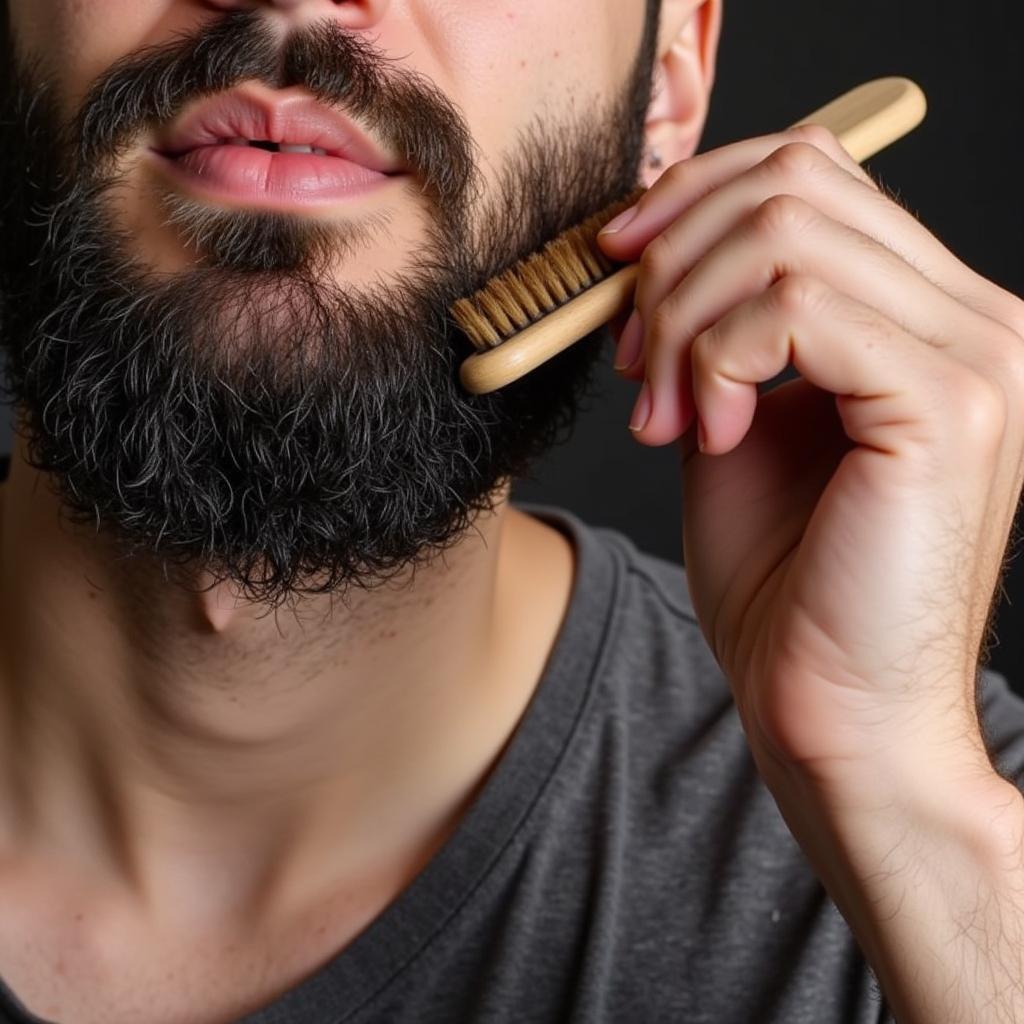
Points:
[(303, 720)]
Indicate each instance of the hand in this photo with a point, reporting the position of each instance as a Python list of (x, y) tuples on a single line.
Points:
[(843, 549)]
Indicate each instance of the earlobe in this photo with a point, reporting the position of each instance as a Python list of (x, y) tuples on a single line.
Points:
[(681, 85)]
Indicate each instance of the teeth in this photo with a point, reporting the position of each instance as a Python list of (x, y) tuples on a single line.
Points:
[(282, 147)]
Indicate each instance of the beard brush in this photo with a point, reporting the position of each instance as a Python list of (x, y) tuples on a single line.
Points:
[(553, 298)]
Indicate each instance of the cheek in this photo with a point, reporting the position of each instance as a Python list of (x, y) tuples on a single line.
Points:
[(78, 40), (505, 63)]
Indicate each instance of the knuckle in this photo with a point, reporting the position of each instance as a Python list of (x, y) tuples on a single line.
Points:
[(830, 150), (782, 214), (816, 135), (982, 407), (796, 160), (656, 256), (797, 295)]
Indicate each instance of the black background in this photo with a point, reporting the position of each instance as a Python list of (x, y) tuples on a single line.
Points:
[(960, 173)]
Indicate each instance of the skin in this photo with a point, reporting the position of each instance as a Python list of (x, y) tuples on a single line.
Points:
[(464, 52), (227, 797)]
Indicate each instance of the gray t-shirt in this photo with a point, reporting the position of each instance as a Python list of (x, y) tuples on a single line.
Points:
[(624, 862)]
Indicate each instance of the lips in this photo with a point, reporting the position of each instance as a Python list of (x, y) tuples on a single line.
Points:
[(292, 148)]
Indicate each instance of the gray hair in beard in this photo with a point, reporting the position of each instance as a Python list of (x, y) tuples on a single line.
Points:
[(249, 416)]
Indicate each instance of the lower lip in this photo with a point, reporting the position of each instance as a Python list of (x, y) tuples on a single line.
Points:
[(253, 175)]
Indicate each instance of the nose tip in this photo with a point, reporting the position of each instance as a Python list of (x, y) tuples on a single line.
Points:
[(347, 13)]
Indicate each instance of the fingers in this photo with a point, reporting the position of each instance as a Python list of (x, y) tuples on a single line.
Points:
[(798, 170), (707, 195), (784, 236), (685, 182), (892, 391), (718, 238), (688, 181)]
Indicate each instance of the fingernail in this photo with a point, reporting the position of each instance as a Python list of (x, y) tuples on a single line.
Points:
[(630, 342), (616, 224), (642, 409)]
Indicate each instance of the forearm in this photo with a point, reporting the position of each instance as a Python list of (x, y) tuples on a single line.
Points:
[(934, 895)]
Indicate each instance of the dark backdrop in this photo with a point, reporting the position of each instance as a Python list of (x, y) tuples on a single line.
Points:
[(960, 173)]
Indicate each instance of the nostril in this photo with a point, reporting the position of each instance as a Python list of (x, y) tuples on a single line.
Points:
[(358, 13)]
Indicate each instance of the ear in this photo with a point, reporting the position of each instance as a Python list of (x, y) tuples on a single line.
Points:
[(681, 89)]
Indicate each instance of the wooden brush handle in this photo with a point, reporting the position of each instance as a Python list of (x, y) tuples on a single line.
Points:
[(865, 120)]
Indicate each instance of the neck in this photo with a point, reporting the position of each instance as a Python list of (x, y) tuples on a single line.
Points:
[(149, 728)]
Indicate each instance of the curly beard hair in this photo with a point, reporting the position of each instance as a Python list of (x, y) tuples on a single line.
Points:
[(249, 416)]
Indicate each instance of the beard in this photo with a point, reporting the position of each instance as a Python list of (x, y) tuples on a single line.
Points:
[(248, 416)]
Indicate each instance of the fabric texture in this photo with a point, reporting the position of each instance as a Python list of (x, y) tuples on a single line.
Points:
[(624, 861)]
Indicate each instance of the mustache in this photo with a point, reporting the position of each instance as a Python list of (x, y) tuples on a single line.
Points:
[(403, 107)]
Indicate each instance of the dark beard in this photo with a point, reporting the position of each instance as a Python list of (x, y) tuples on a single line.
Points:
[(248, 416)]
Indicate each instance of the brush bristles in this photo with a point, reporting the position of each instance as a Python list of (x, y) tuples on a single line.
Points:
[(540, 283)]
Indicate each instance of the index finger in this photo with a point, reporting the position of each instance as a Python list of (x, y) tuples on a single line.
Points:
[(688, 181)]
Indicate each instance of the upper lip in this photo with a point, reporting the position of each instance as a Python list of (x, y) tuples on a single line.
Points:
[(296, 119)]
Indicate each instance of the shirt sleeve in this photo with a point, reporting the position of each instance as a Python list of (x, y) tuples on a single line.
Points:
[(1002, 720)]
